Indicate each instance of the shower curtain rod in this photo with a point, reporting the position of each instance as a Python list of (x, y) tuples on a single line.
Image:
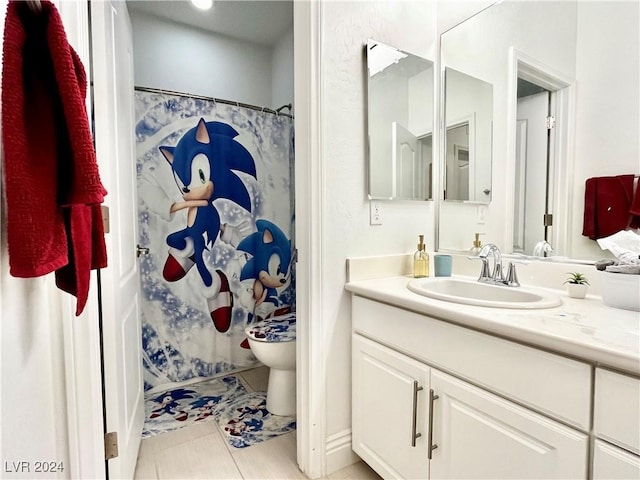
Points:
[(218, 100)]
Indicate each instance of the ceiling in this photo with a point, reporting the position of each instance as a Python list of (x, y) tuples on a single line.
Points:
[(258, 21)]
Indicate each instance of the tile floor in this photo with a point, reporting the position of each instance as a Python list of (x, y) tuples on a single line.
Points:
[(200, 451)]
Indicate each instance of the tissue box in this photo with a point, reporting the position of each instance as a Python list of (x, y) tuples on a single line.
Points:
[(621, 290)]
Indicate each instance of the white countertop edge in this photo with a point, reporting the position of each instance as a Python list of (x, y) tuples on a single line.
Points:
[(523, 326)]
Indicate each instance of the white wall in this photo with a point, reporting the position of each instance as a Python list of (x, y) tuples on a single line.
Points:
[(282, 72), (345, 28), (423, 99), (451, 13), (33, 410), (175, 57)]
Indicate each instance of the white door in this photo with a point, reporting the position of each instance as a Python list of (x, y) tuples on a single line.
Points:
[(482, 436), (460, 170), (533, 110), (120, 285), (408, 171), (388, 388), (520, 186)]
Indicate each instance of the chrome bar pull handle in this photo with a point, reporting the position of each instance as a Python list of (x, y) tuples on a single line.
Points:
[(432, 398), (415, 435)]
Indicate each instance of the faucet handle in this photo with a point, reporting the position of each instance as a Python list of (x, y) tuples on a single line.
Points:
[(512, 276), (484, 271)]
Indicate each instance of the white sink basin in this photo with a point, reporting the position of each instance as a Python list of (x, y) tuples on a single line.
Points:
[(482, 294)]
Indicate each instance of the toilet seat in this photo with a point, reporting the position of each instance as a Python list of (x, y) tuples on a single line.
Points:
[(274, 329)]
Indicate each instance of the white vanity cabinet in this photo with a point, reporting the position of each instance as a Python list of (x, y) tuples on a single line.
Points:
[(391, 386), (480, 435), (616, 426), (488, 408)]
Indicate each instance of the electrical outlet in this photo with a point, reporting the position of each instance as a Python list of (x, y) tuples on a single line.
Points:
[(375, 211)]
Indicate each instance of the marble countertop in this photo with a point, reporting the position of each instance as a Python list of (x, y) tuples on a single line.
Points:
[(582, 328)]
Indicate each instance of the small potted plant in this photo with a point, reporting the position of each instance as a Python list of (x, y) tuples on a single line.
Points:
[(577, 284)]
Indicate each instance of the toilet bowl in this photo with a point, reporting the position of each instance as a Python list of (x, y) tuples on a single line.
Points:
[(273, 342)]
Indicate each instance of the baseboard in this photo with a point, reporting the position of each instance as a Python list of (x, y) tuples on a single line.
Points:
[(338, 452)]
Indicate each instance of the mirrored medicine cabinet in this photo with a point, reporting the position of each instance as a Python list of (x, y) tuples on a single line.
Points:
[(400, 123)]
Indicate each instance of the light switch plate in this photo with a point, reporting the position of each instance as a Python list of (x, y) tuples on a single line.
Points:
[(482, 214)]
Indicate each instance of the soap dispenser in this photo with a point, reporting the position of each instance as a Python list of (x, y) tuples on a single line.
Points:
[(477, 245), (421, 260)]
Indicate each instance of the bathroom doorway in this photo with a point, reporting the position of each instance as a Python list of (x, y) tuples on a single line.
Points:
[(227, 68), (541, 122), (532, 166), (235, 76)]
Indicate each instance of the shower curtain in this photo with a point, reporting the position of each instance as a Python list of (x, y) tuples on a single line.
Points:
[(216, 215)]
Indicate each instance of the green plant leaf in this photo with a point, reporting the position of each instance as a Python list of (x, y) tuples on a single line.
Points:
[(577, 278)]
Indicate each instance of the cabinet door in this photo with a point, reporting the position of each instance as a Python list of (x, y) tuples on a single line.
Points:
[(611, 462), (480, 435), (616, 408), (388, 388)]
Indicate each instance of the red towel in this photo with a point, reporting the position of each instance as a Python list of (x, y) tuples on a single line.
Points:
[(52, 183), (607, 201)]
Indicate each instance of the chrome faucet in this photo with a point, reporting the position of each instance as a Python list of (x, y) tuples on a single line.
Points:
[(542, 249), (495, 276)]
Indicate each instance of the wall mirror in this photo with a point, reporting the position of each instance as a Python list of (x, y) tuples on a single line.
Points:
[(469, 124), (565, 108), (400, 123)]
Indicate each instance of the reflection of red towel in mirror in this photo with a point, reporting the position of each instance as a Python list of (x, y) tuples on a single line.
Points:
[(635, 206), (607, 204)]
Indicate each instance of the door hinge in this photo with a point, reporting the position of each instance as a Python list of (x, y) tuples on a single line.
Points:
[(551, 122), (105, 217), (547, 220), (110, 445)]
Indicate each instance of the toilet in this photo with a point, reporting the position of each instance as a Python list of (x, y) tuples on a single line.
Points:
[(273, 342)]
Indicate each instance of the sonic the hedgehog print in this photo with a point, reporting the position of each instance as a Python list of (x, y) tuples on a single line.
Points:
[(204, 163)]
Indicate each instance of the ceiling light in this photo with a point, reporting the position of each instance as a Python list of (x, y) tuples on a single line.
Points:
[(202, 4)]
